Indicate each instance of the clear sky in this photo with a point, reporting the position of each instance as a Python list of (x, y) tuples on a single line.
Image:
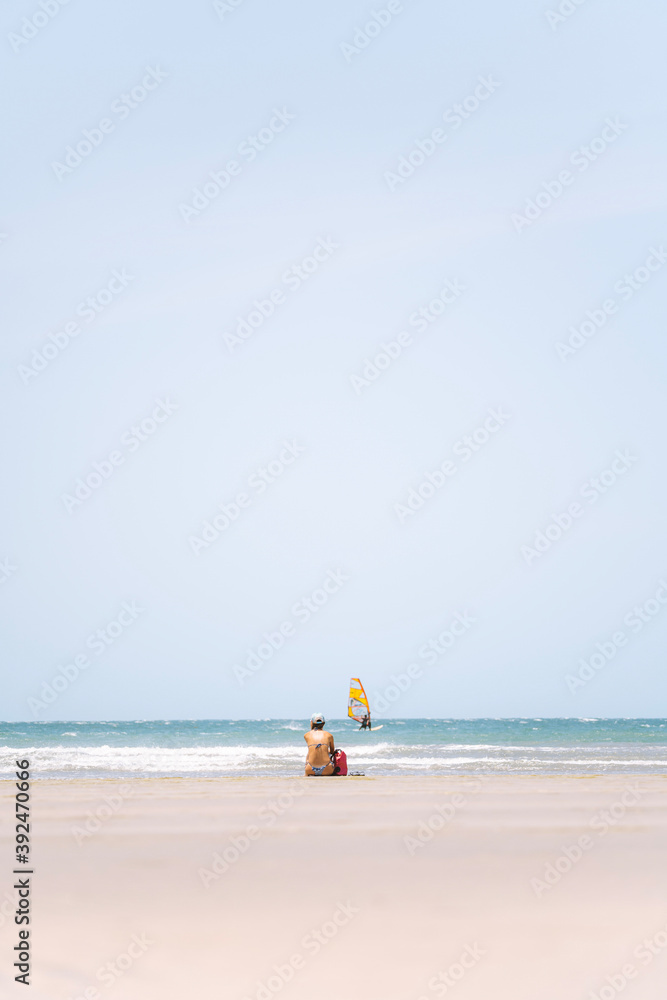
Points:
[(500, 167)]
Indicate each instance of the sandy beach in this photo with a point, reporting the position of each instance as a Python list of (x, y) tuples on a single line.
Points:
[(521, 888)]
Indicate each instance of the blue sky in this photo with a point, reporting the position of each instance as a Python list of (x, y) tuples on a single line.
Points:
[(315, 244)]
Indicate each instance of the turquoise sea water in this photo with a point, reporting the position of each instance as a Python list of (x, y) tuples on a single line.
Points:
[(275, 747)]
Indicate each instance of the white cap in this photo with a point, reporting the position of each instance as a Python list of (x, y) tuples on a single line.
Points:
[(317, 718)]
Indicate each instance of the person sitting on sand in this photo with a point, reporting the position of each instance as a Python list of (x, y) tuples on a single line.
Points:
[(320, 748)]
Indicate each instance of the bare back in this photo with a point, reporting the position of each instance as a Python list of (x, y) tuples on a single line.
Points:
[(320, 747)]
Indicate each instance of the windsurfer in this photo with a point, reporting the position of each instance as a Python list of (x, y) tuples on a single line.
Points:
[(365, 722), (319, 762)]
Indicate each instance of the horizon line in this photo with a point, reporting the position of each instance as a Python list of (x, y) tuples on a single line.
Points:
[(405, 718)]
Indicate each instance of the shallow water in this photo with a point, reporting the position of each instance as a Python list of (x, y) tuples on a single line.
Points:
[(275, 747)]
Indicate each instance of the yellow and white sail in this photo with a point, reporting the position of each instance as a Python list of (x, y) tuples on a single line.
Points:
[(357, 705)]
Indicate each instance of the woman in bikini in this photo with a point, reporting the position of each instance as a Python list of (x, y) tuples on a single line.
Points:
[(320, 748)]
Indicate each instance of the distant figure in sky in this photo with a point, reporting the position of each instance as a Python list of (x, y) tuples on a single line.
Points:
[(319, 762)]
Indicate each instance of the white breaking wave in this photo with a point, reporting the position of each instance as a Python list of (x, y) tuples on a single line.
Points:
[(382, 758)]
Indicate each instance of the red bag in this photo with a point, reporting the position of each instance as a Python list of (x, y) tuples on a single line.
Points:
[(340, 762)]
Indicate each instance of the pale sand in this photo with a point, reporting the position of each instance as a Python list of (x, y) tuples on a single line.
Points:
[(342, 841)]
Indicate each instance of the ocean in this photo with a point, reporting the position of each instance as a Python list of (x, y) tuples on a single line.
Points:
[(240, 747)]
